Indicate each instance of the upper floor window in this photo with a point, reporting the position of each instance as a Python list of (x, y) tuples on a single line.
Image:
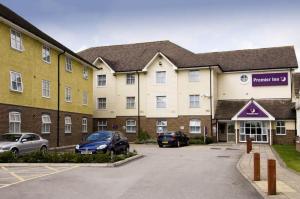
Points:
[(46, 123), (161, 101), (101, 103), (130, 102), (46, 54), (68, 124), (194, 76), (130, 79), (16, 81), (84, 98), (16, 40), (14, 122), (194, 101), (130, 126), (160, 77), (280, 128), (84, 125), (85, 72), (69, 66), (68, 94), (195, 126), (46, 88), (102, 125), (101, 80), (161, 126)]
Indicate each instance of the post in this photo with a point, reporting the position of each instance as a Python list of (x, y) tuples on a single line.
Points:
[(249, 145), (271, 177), (256, 167)]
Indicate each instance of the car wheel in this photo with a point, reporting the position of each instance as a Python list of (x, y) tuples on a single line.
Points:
[(112, 154), (126, 150), (15, 151), (178, 144), (187, 143), (43, 149)]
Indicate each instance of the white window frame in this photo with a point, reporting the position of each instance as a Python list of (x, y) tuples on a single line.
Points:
[(85, 72), (161, 102), (194, 125), (101, 80), (130, 126), (46, 88), (46, 54), (68, 94), (69, 65), (14, 122), (194, 76), (161, 77), (130, 102), (84, 98), (161, 124), (16, 40), (193, 102), (102, 125), (16, 78), (281, 127), (68, 124), (104, 103), (130, 78), (84, 127), (46, 124)]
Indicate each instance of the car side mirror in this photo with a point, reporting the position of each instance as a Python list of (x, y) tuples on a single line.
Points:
[(24, 140)]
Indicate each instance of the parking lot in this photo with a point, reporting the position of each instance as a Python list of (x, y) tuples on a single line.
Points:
[(187, 172)]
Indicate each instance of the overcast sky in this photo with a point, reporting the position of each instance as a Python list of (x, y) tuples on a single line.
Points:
[(198, 25)]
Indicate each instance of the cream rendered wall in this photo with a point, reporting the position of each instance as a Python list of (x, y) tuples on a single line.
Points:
[(230, 87), (186, 88), (214, 91)]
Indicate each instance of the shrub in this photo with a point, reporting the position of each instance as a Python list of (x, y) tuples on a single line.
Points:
[(200, 140), (8, 157), (143, 136)]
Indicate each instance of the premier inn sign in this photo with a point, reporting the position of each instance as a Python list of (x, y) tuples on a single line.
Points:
[(270, 79)]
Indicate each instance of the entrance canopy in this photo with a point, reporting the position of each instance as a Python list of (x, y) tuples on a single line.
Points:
[(252, 111)]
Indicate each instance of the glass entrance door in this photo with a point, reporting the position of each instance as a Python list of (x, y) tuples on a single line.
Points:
[(230, 132), (256, 130)]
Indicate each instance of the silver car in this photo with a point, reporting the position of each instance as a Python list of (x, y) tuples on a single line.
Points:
[(20, 143)]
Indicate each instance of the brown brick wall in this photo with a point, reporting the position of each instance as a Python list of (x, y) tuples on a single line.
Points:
[(149, 124), (289, 138), (31, 121)]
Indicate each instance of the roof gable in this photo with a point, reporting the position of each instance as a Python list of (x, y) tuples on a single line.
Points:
[(158, 55)]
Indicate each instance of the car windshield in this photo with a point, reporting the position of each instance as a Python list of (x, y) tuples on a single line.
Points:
[(10, 137), (99, 136)]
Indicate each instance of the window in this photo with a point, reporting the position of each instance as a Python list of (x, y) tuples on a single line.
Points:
[(16, 81), (161, 101), (14, 122), (256, 130), (84, 125), (101, 103), (102, 125), (160, 77), (244, 78), (194, 76), (69, 64), (130, 126), (68, 124), (161, 126), (101, 80), (16, 40), (46, 88), (130, 79), (130, 102), (46, 54), (195, 126), (194, 101), (46, 123), (280, 128), (84, 98), (68, 94), (85, 72)]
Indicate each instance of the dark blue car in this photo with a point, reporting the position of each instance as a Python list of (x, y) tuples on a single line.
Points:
[(103, 141)]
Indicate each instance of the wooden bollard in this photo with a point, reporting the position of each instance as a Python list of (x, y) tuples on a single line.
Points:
[(249, 145), (256, 167), (271, 177)]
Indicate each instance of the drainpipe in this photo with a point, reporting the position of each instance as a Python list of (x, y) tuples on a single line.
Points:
[(210, 94), (58, 98), (139, 120)]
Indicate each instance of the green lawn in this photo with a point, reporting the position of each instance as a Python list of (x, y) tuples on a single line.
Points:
[(289, 155)]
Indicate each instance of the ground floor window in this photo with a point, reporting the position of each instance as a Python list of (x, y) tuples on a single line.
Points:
[(161, 126), (46, 123), (256, 130), (84, 127), (68, 124), (130, 126), (14, 122), (280, 128), (195, 126), (102, 125)]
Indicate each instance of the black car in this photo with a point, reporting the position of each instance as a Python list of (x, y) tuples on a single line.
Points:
[(172, 138), (103, 141)]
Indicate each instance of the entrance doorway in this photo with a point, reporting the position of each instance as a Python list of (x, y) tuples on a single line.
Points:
[(226, 131), (230, 132)]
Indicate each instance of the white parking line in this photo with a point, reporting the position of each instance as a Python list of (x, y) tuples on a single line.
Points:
[(50, 168)]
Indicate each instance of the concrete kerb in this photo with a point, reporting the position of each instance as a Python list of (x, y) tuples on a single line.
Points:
[(263, 194), (115, 164)]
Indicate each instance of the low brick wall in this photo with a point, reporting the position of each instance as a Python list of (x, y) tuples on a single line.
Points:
[(298, 144)]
